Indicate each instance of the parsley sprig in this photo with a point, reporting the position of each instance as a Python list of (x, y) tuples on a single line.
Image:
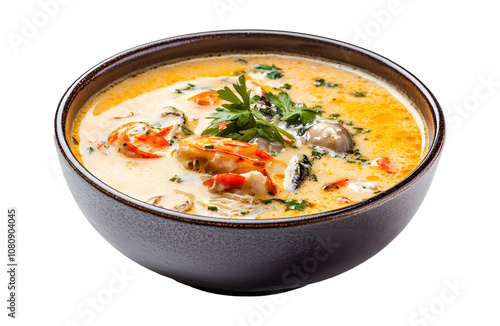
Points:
[(245, 120), (292, 114)]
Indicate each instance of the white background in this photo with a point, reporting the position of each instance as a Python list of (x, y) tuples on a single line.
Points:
[(442, 270)]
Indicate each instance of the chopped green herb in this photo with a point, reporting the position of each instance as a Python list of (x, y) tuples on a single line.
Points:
[(284, 87), (186, 130), (376, 192), (272, 153), (91, 149), (296, 205), (335, 115), (366, 138), (359, 94), (341, 155), (321, 82), (212, 208), (272, 72), (106, 146), (175, 179), (317, 155), (75, 141), (290, 204), (314, 177), (341, 121), (349, 123), (239, 72), (242, 61), (171, 141), (209, 146), (124, 144), (190, 86), (244, 213), (365, 130)]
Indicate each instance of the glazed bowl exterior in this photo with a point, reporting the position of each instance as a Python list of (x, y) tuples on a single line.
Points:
[(246, 257)]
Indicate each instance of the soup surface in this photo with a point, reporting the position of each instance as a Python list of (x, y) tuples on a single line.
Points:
[(250, 136)]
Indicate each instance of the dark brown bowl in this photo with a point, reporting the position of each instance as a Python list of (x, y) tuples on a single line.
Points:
[(246, 257)]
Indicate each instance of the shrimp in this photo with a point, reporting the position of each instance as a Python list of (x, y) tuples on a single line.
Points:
[(206, 98), (251, 184), (230, 160), (139, 139), (214, 155), (385, 164)]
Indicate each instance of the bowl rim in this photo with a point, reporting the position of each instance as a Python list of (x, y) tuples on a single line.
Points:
[(432, 155)]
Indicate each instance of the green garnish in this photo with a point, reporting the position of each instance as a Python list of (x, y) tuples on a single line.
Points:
[(335, 115), (186, 130), (321, 82), (91, 149), (290, 204), (246, 121), (254, 99), (244, 213), (317, 155), (190, 86), (292, 114), (272, 72), (212, 208), (314, 177), (239, 72), (242, 61), (209, 146), (75, 141), (359, 94), (284, 87), (175, 179)]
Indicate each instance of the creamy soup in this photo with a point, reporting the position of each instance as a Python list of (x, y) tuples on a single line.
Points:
[(250, 136)]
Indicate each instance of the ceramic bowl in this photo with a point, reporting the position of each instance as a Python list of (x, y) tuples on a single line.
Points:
[(246, 257)]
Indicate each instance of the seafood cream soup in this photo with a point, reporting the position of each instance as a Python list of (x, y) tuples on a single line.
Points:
[(250, 136)]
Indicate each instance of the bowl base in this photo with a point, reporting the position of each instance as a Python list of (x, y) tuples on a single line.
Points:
[(239, 293)]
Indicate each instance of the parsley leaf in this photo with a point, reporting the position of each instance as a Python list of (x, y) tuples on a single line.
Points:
[(246, 121), (292, 114), (272, 72)]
